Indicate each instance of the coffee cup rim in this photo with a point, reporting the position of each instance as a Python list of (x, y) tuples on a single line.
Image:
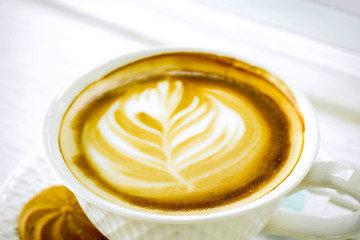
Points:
[(57, 108)]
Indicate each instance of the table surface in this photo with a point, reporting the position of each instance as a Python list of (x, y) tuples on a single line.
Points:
[(44, 44)]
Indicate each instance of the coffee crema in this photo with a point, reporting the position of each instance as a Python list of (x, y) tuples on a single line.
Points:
[(178, 133)]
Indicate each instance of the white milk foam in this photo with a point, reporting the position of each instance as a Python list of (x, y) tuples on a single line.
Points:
[(213, 118)]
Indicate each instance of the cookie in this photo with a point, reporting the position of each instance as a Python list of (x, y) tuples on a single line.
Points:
[(54, 213)]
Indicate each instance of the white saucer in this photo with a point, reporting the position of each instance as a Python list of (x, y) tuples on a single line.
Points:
[(30, 177)]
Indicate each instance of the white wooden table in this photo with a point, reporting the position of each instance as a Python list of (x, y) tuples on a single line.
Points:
[(44, 44)]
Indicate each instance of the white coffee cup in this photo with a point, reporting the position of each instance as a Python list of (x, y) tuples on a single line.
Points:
[(243, 222)]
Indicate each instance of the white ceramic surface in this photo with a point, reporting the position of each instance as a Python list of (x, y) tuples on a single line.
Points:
[(243, 222), (33, 174)]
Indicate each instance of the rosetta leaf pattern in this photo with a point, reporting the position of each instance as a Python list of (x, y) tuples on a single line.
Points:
[(167, 132)]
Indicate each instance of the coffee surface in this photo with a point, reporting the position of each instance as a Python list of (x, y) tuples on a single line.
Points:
[(179, 140)]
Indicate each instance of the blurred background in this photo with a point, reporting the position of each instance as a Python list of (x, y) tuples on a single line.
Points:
[(44, 44)]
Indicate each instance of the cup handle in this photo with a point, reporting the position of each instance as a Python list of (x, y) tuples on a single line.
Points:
[(335, 175)]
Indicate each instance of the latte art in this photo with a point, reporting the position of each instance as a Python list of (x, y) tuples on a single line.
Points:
[(178, 141), (166, 137)]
